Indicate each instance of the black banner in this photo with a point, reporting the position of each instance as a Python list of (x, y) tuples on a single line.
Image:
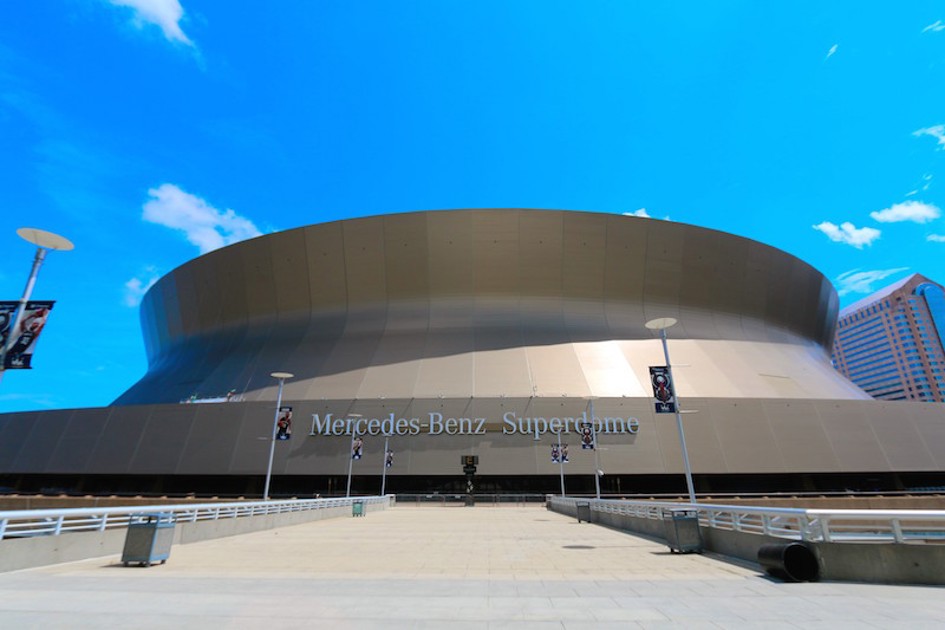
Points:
[(284, 424), (20, 354), (356, 447), (663, 393)]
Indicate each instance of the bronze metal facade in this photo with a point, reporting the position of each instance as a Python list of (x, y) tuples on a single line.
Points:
[(478, 329)]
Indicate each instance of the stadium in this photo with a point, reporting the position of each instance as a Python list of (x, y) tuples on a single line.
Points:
[(498, 333)]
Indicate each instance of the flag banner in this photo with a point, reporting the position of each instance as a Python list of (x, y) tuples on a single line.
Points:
[(587, 437), (7, 313), (564, 454), (663, 393), (356, 447), (389, 461), (284, 424), (23, 340)]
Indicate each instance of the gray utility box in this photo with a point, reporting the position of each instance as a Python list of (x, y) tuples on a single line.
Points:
[(682, 530), (583, 511), (149, 539)]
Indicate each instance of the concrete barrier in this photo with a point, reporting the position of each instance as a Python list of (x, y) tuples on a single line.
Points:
[(881, 562), (25, 553)]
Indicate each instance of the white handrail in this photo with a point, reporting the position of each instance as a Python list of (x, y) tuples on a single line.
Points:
[(53, 522), (795, 523)]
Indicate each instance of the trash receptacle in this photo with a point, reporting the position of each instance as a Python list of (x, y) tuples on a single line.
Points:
[(584, 511), (357, 508), (682, 530), (791, 562), (149, 539)]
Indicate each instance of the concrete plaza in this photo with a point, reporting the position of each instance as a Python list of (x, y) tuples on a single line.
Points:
[(453, 568)]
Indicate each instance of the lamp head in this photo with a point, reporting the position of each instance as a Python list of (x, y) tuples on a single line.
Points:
[(45, 239), (660, 323)]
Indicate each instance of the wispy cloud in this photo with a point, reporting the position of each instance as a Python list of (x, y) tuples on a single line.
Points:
[(138, 286), (857, 281), (165, 14), (831, 52), (848, 233), (934, 27), (925, 184), (936, 131), (638, 213), (936, 238), (914, 211), (205, 226)]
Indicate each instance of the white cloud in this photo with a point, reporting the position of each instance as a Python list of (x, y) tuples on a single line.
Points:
[(137, 287), (936, 131), (165, 14), (638, 213), (935, 28), (848, 233), (857, 281), (831, 52), (914, 211), (205, 226), (936, 238)]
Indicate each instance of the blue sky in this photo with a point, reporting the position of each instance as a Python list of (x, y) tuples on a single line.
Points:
[(150, 131)]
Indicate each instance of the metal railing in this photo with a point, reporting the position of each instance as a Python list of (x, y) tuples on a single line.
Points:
[(481, 500), (53, 522), (813, 525)]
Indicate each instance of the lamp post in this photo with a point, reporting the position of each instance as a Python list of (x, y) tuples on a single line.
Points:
[(384, 469), (596, 452), (560, 462), (43, 241), (661, 324), (282, 376), (354, 432)]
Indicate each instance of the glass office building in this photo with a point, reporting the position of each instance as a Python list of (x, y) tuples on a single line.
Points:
[(890, 343)]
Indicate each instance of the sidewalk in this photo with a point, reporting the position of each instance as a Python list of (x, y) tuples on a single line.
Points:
[(456, 568)]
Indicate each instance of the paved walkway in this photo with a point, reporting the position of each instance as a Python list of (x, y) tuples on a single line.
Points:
[(451, 568)]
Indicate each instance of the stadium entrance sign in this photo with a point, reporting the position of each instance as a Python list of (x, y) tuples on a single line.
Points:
[(435, 423)]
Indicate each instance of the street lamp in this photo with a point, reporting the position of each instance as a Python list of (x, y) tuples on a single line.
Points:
[(43, 240), (354, 432), (661, 324), (384, 469), (560, 462), (282, 376), (597, 471)]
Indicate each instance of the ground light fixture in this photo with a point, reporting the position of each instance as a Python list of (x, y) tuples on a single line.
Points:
[(282, 376), (661, 324)]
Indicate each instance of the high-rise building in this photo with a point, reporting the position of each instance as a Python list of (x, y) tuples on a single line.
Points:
[(891, 343)]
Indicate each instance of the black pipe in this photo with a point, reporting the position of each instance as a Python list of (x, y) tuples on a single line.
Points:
[(791, 562)]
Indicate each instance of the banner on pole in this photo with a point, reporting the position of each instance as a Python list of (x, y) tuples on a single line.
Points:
[(389, 460), (663, 393), (555, 454), (587, 437), (7, 313), (23, 340), (284, 424), (356, 447)]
